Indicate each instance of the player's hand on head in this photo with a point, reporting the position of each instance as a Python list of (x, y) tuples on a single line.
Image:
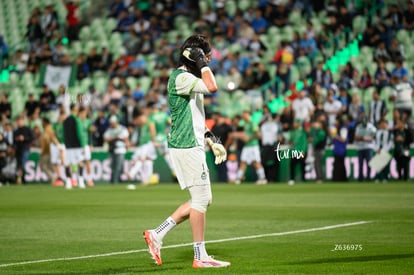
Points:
[(195, 55)]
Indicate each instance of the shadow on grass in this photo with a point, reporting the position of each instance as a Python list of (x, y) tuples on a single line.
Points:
[(357, 259)]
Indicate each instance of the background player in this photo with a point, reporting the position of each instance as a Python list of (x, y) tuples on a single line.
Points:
[(75, 143), (145, 153), (86, 136)]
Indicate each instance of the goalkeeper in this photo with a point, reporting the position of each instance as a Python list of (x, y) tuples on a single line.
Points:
[(186, 141)]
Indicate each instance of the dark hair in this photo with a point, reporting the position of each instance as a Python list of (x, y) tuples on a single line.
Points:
[(194, 41), (45, 120)]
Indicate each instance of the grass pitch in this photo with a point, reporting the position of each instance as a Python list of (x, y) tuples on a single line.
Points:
[(39, 222)]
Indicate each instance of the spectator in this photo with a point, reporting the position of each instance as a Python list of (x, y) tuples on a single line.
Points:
[(308, 45), (72, 20), (298, 142), (400, 71), (23, 138), (382, 76), (125, 22), (221, 130), (402, 96), (270, 134), (332, 107), (394, 18), (120, 66), (364, 137), (34, 32), (9, 170), (245, 33), (280, 15), (317, 98), (3, 151), (47, 99), (339, 133), (284, 58), (303, 107), (377, 109), (93, 60), (259, 23), (48, 137), (317, 74), (105, 60), (33, 63), (5, 107), (116, 7), (141, 24), (408, 17), (8, 133), (383, 143), (402, 141), (138, 67), (49, 21), (83, 69), (31, 105), (256, 47), (19, 61), (4, 51), (117, 138), (345, 99), (317, 138), (381, 53), (129, 110), (146, 45), (328, 80), (248, 79), (365, 79), (396, 51), (99, 126), (261, 75), (356, 110)]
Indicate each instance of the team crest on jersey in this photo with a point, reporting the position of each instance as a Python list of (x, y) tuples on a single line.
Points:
[(204, 175)]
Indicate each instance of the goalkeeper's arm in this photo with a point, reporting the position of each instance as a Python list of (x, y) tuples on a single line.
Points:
[(218, 149)]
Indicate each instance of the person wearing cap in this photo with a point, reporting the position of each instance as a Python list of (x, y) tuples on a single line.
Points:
[(186, 142), (117, 138)]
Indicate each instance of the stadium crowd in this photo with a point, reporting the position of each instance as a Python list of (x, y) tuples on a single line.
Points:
[(323, 113)]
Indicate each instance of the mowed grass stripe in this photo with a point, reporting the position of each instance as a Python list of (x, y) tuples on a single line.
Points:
[(329, 227)]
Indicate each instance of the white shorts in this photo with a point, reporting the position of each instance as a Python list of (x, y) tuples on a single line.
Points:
[(74, 156), (87, 152), (145, 151), (250, 154), (55, 153), (190, 166), (163, 148)]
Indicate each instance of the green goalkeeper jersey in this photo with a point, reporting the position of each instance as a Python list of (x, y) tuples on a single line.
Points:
[(160, 120), (186, 103), (251, 128)]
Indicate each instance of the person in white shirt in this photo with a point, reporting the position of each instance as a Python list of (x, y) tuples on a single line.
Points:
[(332, 108), (403, 98), (117, 137), (303, 107), (364, 137), (270, 134)]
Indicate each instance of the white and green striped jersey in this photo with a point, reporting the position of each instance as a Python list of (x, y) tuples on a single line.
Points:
[(186, 103), (403, 95)]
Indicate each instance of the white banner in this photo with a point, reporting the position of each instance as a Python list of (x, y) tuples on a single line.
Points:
[(56, 76)]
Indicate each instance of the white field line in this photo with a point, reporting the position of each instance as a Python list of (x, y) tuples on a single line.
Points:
[(190, 244)]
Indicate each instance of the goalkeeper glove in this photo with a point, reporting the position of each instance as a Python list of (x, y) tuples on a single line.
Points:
[(218, 149), (197, 56)]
